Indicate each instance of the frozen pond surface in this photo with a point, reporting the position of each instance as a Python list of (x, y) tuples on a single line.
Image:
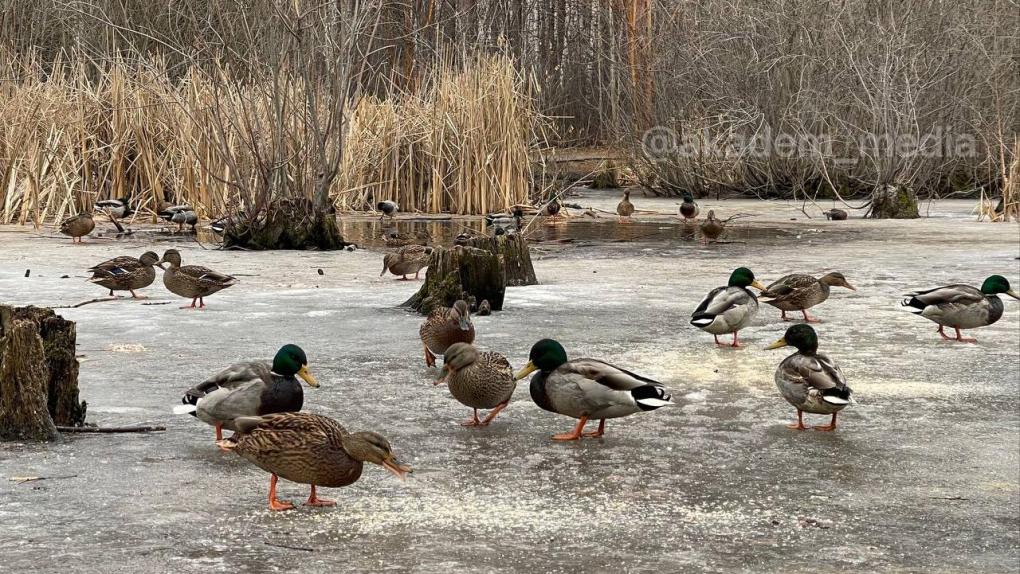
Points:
[(922, 474)]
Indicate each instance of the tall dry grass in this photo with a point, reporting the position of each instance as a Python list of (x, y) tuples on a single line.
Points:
[(69, 137), (459, 146)]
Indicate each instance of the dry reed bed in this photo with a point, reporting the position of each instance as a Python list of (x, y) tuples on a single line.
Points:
[(69, 137)]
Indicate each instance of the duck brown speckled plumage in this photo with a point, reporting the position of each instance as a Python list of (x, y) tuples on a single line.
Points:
[(407, 259), (712, 228), (192, 281), (625, 209), (126, 273), (309, 449), (78, 226), (800, 292), (480, 380), (445, 326)]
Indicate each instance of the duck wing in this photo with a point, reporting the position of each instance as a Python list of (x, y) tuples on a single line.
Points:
[(115, 267), (961, 295), (207, 276), (818, 372), (588, 387), (720, 300), (788, 284), (608, 375)]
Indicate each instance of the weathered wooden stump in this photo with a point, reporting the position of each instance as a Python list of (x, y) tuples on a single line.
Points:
[(513, 252), (893, 202), (38, 374), (290, 223), (458, 273)]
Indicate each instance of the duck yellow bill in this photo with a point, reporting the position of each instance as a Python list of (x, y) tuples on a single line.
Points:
[(305, 374), (757, 285), (394, 467), (1013, 294), (527, 370), (780, 343)]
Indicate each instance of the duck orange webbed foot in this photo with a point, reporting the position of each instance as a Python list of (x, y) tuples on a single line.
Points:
[(277, 505), (314, 500), (574, 434), (824, 428)]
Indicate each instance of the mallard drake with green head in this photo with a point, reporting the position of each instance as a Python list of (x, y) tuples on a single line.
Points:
[(309, 449), (250, 388), (478, 380), (712, 228), (809, 380), (961, 306), (625, 209), (78, 226), (407, 259), (800, 292), (587, 389), (192, 281), (445, 326), (126, 273), (730, 308), (689, 209)]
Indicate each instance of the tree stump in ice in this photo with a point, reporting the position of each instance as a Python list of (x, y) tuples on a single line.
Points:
[(893, 202), (38, 374), (291, 223), (458, 273), (514, 253)]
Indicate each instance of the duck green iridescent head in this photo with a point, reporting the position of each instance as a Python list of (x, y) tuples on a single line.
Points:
[(687, 197), (742, 277), (290, 360), (997, 284), (801, 336), (546, 355)]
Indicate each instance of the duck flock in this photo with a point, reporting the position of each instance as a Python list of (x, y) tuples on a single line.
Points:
[(261, 401)]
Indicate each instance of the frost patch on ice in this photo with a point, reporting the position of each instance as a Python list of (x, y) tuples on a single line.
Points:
[(126, 348)]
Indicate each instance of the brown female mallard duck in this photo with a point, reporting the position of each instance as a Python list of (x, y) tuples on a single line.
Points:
[(625, 208), (478, 380), (126, 273), (78, 226), (192, 281), (445, 326), (712, 228), (309, 449), (809, 380), (250, 388), (800, 292), (407, 259)]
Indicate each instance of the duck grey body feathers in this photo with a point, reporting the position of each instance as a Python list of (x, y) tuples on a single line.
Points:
[(725, 310), (959, 306), (244, 389), (813, 383), (596, 390)]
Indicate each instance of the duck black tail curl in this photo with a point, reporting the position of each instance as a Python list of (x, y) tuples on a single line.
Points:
[(651, 397)]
